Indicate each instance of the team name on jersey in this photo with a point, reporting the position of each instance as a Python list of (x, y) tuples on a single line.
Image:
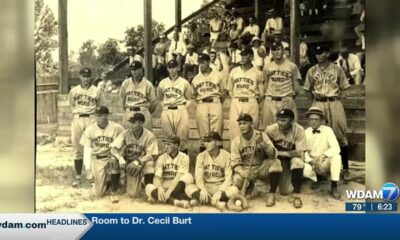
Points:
[(246, 152), (84, 100), (325, 77), (283, 145), (170, 170), (135, 149), (213, 171), (173, 92), (102, 141), (204, 87), (134, 96), (277, 74)]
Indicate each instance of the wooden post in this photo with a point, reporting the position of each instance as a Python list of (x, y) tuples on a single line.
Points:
[(295, 32), (63, 46), (148, 48), (178, 14), (257, 12)]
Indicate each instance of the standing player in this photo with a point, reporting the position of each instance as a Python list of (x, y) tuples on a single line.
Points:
[(171, 175), (96, 140), (289, 139), (325, 84), (324, 153), (138, 147), (281, 79), (252, 146), (175, 92), (245, 86), (83, 100), (213, 175), (138, 95), (208, 92)]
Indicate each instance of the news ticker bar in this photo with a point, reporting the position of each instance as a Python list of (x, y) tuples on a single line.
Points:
[(371, 207)]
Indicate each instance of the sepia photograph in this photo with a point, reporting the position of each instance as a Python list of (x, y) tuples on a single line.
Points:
[(199, 106)]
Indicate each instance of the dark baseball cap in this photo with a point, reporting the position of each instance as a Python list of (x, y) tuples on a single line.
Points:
[(212, 136), (137, 117), (173, 139), (245, 117), (172, 63), (276, 45), (246, 51), (85, 71), (102, 110), (285, 113), (321, 48), (135, 65), (204, 57)]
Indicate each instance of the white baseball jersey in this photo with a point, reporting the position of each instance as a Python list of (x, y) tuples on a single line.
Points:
[(211, 170), (167, 167), (84, 101), (144, 146), (205, 86), (294, 140), (99, 140), (245, 83), (175, 92), (280, 78), (137, 95), (326, 82)]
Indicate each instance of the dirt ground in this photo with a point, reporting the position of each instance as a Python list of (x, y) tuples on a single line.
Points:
[(54, 176)]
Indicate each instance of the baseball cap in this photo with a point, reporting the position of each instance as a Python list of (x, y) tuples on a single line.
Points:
[(85, 71), (212, 136), (172, 63), (276, 45), (246, 51), (314, 110), (245, 117), (255, 39), (322, 48), (173, 139), (285, 113), (135, 65), (102, 110), (190, 46), (204, 57), (137, 117)]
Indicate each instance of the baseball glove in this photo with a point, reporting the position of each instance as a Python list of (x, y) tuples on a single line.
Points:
[(237, 203), (134, 168)]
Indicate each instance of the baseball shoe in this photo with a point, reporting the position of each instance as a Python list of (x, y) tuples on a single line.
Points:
[(221, 206), (89, 176), (151, 200), (77, 182), (297, 203), (270, 200), (194, 203), (346, 175), (182, 203), (335, 193), (114, 198)]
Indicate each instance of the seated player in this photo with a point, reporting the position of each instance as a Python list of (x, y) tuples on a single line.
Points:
[(136, 150), (324, 152), (213, 175), (171, 175)]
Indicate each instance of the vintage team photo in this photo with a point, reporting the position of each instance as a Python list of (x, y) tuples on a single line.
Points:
[(199, 106)]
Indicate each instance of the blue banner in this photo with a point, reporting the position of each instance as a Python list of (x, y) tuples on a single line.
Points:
[(243, 226)]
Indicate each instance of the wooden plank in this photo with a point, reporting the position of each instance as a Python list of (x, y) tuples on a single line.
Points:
[(295, 32), (148, 59), (63, 44)]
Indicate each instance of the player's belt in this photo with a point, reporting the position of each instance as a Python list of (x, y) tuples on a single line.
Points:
[(276, 98), (326, 99), (101, 156), (243, 99), (84, 115), (174, 107), (209, 100), (135, 109)]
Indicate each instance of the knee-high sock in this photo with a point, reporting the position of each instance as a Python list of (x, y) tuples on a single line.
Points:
[(180, 188), (78, 163), (297, 178), (148, 178), (344, 153), (274, 178), (115, 181)]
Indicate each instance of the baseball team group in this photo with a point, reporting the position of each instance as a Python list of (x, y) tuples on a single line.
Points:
[(266, 142)]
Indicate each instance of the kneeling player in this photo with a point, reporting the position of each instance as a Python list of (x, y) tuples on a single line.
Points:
[(213, 175), (140, 148), (171, 175)]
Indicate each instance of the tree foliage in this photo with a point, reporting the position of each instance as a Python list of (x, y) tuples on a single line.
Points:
[(135, 36), (109, 53)]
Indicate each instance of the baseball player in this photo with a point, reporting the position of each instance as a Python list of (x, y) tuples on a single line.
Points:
[(252, 147), (83, 100), (96, 140), (326, 84), (324, 152), (209, 95), (136, 146), (213, 175), (171, 175), (175, 92), (289, 139), (138, 95), (281, 79), (245, 86)]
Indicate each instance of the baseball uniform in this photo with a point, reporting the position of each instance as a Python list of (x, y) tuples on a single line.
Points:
[(99, 141), (175, 95), (137, 98), (279, 89), (213, 174), (242, 151), (83, 103), (207, 90), (326, 85), (245, 87), (143, 149)]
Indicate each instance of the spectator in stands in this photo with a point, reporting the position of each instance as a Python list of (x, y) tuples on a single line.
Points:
[(177, 49), (360, 31), (105, 85), (191, 62), (215, 61), (216, 26), (234, 54), (160, 50), (133, 56), (267, 58), (259, 52), (239, 21), (273, 25), (228, 19), (251, 30), (194, 34), (351, 66), (233, 32), (286, 52), (305, 63)]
